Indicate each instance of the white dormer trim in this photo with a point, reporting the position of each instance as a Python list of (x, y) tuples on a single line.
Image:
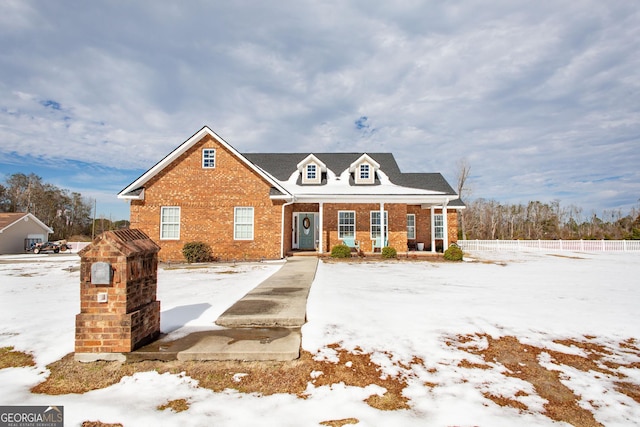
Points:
[(311, 168), (364, 169)]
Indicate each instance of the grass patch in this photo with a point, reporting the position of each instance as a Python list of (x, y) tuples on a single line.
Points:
[(177, 405), (265, 378), (99, 424), (340, 423), (14, 359), (522, 361)]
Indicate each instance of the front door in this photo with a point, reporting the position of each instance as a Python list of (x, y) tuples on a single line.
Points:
[(306, 231)]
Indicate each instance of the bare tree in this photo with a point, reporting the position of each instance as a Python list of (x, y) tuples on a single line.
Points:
[(464, 169), (67, 213)]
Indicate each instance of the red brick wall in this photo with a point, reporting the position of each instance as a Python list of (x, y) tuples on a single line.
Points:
[(131, 315), (207, 198), (397, 227), (397, 214), (423, 224)]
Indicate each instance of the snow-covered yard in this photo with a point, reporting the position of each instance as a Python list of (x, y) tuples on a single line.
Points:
[(435, 324)]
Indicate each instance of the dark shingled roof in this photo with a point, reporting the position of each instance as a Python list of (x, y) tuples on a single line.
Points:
[(282, 165)]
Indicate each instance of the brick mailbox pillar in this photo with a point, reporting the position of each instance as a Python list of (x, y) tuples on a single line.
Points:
[(118, 285)]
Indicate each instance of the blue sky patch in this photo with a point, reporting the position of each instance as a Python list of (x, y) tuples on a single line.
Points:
[(49, 103)]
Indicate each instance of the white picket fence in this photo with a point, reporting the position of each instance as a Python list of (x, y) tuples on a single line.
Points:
[(551, 245)]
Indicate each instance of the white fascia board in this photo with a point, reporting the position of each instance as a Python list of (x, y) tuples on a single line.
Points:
[(375, 198), (41, 224), (33, 218), (136, 197), (142, 180)]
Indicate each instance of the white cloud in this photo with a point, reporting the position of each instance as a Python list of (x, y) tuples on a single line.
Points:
[(548, 90)]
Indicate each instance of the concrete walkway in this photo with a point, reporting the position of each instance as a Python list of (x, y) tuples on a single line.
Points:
[(279, 301), (263, 325)]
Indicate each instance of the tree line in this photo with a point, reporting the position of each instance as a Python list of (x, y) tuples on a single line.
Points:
[(489, 220), (67, 213)]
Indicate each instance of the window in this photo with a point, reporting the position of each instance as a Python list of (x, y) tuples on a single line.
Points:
[(364, 172), (438, 225), (375, 224), (346, 224), (243, 223), (209, 158), (311, 172), (411, 226), (170, 223)]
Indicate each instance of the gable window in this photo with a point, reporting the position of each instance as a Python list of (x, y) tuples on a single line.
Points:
[(170, 223), (243, 223), (364, 172), (209, 158), (312, 171), (346, 224), (375, 224), (438, 226), (411, 226)]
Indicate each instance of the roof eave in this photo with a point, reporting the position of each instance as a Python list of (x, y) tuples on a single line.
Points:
[(431, 199), (194, 139), (33, 218)]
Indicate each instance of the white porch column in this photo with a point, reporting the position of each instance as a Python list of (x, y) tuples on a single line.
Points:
[(433, 229), (445, 234), (383, 235), (320, 217)]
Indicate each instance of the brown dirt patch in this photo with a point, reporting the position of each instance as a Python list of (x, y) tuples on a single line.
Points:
[(522, 361), (267, 378), (505, 401), (340, 423), (99, 424), (629, 389), (14, 359), (177, 405)]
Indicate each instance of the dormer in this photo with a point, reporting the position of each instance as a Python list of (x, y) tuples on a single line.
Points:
[(364, 170), (311, 170)]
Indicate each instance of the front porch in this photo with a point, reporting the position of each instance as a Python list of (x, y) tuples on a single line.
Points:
[(410, 255), (411, 229)]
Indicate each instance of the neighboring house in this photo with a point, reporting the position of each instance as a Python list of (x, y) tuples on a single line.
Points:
[(19, 230), (253, 206)]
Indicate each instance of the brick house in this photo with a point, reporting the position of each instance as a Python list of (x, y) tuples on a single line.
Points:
[(254, 206)]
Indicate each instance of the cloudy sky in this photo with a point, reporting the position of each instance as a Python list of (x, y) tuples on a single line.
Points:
[(541, 98)]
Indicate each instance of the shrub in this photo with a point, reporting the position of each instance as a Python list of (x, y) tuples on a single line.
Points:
[(389, 252), (341, 251), (197, 252), (453, 253)]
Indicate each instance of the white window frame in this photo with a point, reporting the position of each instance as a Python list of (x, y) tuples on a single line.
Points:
[(240, 223), (374, 227), (411, 226), (365, 172), (438, 226), (208, 158), (312, 172), (346, 224), (170, 223)]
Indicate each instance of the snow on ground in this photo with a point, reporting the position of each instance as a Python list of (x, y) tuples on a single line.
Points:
[(395, 310)]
